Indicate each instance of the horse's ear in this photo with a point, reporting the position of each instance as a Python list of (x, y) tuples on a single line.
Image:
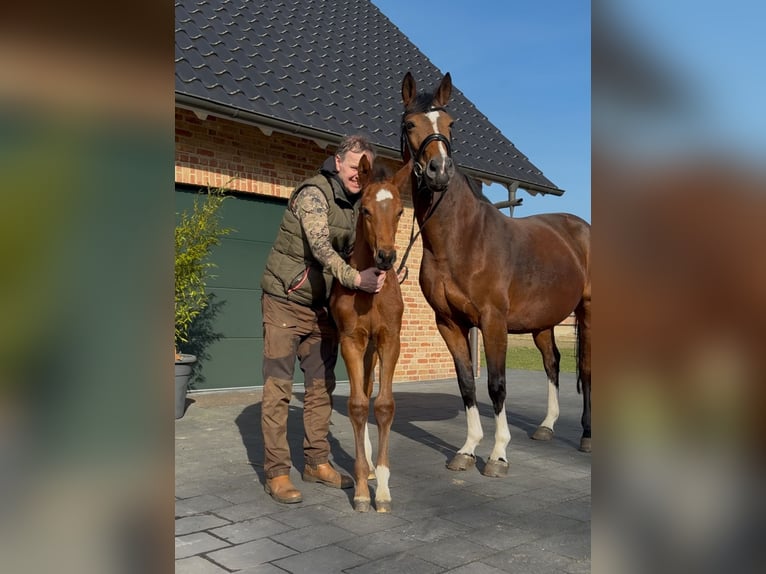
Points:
[(402, 178), (443, 92), (364, 170), (408, 89)]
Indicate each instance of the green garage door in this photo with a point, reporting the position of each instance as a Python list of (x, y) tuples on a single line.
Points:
[(229, 339)]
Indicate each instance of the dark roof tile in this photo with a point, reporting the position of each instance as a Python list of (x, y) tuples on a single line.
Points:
[(333, 66)]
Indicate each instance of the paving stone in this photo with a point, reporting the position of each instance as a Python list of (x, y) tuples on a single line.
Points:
[(197, 523), (431, 529), (400, 563), (529, 559), (248, 530), (326, 560), (310, 537), (197, 565), (250, 554), (379, 544), (478, 516), (450, 552), (475, 568), (361, 523), (199, 505), (501, 536), (300, 515), (543, 524), (246, 510), (579, 509), (573, 543), (197, 543), (262, 569)]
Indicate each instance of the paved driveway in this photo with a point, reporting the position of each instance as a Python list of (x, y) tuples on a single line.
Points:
[(537, 519)]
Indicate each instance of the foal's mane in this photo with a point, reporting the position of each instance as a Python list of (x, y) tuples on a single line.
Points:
[(380, 172)]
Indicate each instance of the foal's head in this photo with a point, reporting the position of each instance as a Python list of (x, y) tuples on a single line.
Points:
[(380, 210), (426, 132)]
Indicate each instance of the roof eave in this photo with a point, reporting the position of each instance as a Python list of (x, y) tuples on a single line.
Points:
[(531, 188), (266, 123), (324, 138)]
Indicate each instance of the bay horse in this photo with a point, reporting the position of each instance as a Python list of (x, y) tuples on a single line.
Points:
[(503, 275), (370, 325)]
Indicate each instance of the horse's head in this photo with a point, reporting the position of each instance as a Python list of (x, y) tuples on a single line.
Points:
[(426, 135), (380, 210)]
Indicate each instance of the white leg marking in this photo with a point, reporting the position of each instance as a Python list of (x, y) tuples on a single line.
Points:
[(502, 437), (434, 116), (553, 406), (368, 448), (475, 433), (381, 492)]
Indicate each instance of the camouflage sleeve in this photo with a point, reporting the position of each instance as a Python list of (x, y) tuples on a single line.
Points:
[(311, 208)]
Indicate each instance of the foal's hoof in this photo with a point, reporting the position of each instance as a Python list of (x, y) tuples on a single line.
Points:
[(362, 505), (543, 433), (585, 444), (462, 462), (383, 506), (496, 468)]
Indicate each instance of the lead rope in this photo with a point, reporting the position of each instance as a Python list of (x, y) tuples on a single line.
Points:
[(414, 236)]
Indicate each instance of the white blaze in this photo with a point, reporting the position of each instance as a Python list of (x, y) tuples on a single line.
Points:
[(434, 116), (383, 194)]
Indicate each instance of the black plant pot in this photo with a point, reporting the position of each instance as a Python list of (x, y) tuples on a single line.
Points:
[(184, 369)]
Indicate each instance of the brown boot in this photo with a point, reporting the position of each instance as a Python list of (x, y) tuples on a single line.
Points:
[(282, 490), (327, 475)]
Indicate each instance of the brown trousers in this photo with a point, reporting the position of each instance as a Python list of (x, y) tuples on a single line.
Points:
[(289, 331)]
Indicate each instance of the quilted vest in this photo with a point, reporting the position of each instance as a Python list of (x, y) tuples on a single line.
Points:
[(291, 271)]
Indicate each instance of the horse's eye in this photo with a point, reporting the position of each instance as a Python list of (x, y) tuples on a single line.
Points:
[(365, 212), (409, 125), (400, 213), (451, 124)]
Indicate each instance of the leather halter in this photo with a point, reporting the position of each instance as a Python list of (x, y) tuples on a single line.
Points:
[(405, 143), (418, 169)]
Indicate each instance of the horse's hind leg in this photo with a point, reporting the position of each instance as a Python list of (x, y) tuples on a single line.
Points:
[(495, 337), (457, 343), (583, 368), (546, 343)]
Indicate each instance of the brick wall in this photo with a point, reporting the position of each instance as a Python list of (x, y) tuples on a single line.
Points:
[(220, 152)]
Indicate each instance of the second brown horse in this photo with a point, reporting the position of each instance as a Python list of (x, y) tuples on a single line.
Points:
[(369, 326)]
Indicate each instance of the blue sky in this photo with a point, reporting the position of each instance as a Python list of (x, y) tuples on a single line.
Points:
[(525, 64)]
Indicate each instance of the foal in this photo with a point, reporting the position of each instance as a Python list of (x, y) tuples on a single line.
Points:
[(369, 326)]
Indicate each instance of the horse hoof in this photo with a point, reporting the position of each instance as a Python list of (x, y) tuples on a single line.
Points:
[(461, 462), (361, 505), (543, 433), (371, 476), (496, 468), (585, 444), (383, 506)]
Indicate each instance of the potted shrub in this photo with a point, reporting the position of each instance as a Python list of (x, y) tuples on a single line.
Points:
[(197, 232)]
